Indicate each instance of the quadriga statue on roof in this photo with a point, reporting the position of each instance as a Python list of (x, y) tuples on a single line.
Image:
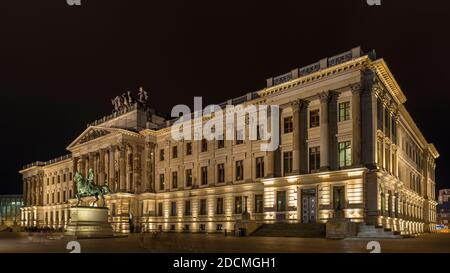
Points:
[(87, 188)]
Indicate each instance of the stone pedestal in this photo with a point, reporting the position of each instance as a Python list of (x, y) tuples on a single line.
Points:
[(89, 222), (339, 227)]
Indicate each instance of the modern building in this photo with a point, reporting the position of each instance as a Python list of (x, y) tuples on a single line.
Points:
[(348, 147), (444, 196), (10, 206), (443, 207)]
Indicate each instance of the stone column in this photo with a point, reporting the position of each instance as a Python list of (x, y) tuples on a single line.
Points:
[(137, 168), (101, 168), (277, 154), (112, 170), (324, 134), (75, 163), (304, 136), (91, 158), (83, 165), (40, 190), (122, 168), (356, 124), (25, 191), (332, 130), (368, 121), (295, 105), (33, 191)]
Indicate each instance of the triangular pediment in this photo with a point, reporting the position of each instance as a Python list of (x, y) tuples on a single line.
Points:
[(90, 134)]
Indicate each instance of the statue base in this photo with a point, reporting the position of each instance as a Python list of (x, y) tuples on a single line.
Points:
[(89, 222)]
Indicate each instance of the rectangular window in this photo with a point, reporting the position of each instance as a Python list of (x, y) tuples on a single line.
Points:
[(64, 177), (160, 209), (281, 200), (161, 155), (173, 208), (174, 180), (344, 111), (260, 132), (221, 143), (161, 181), (259, 167), (238, 204), (204, 145), (189, 148), (202, 207), (239, 170), (287, 163), (239, 136), (314, 119), (64, 196), (174, 151), (314, 159), (287, 125), (219, 205), (345, 154), (221, 173), (187, 208), (204, 180), (259, 203), (189, 178)]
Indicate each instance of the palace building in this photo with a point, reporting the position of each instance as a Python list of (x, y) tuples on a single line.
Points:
[(347, 146)]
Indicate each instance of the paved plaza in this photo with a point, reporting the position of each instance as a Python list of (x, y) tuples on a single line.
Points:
[(200, 243)]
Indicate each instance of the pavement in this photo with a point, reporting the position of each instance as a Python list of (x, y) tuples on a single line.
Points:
[(22, 242)]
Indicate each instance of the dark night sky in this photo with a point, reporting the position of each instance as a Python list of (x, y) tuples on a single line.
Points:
[(60, 65)]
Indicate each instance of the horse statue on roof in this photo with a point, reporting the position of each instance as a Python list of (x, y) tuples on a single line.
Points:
[(88, 188)]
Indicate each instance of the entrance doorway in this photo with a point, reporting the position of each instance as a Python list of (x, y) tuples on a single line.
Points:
[(309, 206)]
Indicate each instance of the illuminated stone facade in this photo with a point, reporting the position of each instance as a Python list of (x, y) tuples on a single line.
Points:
[(347, 144)]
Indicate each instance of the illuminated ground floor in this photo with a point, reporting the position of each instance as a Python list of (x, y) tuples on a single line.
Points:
[(370, 197)]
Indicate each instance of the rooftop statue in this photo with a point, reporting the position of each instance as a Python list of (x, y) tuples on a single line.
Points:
[(88, 188), (143, 98), (126, 100)]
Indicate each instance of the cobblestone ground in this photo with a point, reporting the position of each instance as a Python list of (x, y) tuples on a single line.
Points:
[(199, 243)]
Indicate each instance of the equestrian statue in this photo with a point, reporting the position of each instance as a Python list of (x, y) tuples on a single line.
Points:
[(88, 188)]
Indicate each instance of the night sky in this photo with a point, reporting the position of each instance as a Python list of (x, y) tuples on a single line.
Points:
[(61, 65)]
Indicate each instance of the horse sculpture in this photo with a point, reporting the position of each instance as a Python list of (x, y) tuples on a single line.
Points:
[(87, 188)]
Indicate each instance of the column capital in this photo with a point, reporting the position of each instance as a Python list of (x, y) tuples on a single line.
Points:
[(296, 104), (356, 87), (326, 96)]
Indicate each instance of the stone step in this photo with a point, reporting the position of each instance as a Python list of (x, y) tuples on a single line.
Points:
[(370, 231), (291, 230)]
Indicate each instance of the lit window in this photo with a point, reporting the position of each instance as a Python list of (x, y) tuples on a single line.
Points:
[(259, 167), (345, 154), (287, 163), (314, 159), (287, 125), (344, 111), (314, 119), (239, 170)]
